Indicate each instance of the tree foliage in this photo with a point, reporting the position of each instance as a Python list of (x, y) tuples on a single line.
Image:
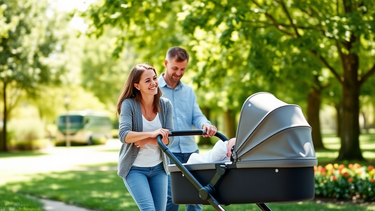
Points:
[(101, 73), (283, 46), (27, 47), (338, 34), (149, 25)]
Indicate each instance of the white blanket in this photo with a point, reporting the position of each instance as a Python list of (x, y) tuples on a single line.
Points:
[(217, 153)]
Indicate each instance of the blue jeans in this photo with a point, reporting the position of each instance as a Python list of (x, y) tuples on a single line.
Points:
[(148, 187), (183, 158)]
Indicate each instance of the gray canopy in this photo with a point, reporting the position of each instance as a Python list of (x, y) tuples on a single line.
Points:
[(272, 133)]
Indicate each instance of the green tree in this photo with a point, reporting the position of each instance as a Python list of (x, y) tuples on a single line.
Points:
[(25, 51), (368, 104), (339, 34), (147, 26), (212, 62), (5, 25), (281, 45), (247, 67), (101, 73)]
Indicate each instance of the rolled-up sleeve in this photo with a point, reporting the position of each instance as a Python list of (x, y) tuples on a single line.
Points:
[(199, 119)]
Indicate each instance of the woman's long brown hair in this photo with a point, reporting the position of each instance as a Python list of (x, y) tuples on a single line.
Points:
[(129, 91)]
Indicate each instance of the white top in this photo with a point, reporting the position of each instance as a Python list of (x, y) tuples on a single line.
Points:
[(216, 154), (149, 155)]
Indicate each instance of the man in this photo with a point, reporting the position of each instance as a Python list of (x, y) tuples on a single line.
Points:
[(186, 112)]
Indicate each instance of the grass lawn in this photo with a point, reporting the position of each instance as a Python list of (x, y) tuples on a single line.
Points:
[(18, 201), (103, 190), (332, 143)]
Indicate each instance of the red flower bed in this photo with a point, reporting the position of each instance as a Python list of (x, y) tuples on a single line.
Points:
[(345, 182)]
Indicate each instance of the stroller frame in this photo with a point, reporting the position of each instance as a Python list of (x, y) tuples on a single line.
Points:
[(207, 191), (272, 161)]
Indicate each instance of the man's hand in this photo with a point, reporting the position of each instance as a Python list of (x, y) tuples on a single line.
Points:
[(210, 130)]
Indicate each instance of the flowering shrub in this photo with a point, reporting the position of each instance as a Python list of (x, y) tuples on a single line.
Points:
[(341, 182)]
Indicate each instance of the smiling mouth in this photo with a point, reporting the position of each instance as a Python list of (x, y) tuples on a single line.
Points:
[(176, 78)]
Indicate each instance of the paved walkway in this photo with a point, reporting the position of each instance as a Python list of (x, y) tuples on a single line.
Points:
[(50, 205), (58, 159)]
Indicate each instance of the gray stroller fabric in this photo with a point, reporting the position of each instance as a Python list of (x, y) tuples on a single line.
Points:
[(272, 133), (274, 160)]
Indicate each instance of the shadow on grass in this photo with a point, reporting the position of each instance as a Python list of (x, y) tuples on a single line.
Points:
[(332, 144), (99, 165), (104, 190), (19, 202), (99, 190), (330, 156)]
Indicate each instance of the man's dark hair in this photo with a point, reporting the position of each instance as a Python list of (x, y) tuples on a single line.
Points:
[(177, 53)]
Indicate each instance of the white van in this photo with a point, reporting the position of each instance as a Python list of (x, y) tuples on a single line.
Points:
[(84, 127)]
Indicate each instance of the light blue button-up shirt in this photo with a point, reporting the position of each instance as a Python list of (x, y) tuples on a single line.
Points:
[(186, 115)]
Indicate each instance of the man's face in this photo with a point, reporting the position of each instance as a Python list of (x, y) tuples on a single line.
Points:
[(175, 70)]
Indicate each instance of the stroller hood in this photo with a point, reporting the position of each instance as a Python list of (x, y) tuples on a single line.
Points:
[(273, 133)]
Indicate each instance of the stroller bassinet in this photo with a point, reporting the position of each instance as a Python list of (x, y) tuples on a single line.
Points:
[(273, 160)]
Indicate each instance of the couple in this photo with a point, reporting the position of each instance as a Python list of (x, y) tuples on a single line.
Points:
[(145, 111)]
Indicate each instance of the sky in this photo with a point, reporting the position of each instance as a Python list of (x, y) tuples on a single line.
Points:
[(69, 5)]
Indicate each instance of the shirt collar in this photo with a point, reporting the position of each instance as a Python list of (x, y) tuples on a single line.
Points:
[(162, 83)]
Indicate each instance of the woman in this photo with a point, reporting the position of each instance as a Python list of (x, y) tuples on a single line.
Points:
[(143, 115)]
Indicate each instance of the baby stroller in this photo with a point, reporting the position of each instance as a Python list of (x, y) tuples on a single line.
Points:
[(272, 161)]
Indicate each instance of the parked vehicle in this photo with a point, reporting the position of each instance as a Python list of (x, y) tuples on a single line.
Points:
[(83, 127)]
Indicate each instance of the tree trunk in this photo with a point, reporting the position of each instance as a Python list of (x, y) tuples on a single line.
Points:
[(338, 108), (203, 140), (313, 117), (230, 123), (365, 126), (350, 148), (3, 140)]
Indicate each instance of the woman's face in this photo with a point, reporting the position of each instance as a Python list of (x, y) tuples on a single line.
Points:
[(148, 83)]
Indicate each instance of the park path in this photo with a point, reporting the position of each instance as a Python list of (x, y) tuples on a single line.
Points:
[(50, 205), (58, 159)]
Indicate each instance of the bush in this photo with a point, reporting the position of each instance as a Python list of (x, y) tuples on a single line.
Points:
[(341, 182), (26, 134)]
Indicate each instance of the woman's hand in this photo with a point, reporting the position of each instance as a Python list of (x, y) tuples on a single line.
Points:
[(152, 139), (165, 134), (141, 143)]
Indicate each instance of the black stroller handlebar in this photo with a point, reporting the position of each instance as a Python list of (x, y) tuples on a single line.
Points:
[(186, 133), (195, 132), (207, 196)]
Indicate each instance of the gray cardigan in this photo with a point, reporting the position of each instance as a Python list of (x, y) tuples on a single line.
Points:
[(131, 120)]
